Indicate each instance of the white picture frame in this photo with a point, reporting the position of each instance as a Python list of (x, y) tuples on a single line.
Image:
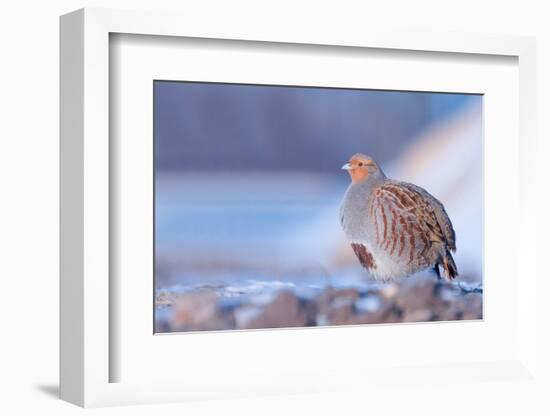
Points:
[(87, 356)]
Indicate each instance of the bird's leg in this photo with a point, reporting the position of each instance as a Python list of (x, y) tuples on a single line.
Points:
[(436, 270)]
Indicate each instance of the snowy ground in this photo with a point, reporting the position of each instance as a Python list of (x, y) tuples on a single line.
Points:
[(250, 304)]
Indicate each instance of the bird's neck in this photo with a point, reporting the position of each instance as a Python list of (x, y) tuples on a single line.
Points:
[(373, 178)]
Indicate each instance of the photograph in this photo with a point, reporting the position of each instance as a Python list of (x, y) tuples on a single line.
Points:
[(290, 206)]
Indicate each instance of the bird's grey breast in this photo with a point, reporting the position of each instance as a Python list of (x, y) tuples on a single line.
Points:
[(353, 211)]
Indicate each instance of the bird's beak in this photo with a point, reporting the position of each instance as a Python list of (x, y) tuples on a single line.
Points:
[(347, 166)]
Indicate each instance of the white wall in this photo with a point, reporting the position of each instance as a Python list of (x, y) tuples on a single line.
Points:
[(29, 208)]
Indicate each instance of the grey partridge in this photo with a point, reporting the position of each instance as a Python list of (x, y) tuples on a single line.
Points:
[(395, 228)]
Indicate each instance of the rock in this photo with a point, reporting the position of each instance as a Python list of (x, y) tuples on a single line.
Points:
[(472, 306), (415, 294), (419, 315), (199, 311), (336, 306), (285, 310)]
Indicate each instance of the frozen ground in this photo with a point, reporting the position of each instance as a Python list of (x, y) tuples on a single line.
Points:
[(250, 304)]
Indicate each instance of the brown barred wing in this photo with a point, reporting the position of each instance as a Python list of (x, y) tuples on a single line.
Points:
[(437, 214), (405, 224)]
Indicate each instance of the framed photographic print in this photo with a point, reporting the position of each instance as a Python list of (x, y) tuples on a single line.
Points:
[(265, 212), (257, 225)]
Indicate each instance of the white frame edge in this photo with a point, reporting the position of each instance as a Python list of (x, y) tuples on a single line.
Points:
[(84, 178), (71, 208)]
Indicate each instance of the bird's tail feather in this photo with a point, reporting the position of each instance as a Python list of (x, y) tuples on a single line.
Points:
[(449, 265)]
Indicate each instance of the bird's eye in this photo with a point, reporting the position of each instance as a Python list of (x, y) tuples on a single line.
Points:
[(360, 163)]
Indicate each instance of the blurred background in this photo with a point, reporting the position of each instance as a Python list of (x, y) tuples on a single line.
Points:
[(248, 186)]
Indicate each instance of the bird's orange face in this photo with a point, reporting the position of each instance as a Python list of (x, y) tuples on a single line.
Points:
[(360, 167)]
